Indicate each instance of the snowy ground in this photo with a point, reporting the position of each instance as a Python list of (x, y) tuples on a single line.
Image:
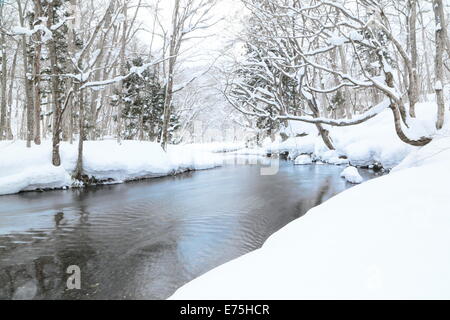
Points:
[(23, 169), (385, 239), (370, 143)]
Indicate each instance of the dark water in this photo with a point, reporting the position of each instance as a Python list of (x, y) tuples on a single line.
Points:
[(145, 240)]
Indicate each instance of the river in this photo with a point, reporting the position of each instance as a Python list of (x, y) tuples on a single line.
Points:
[(144, 240)]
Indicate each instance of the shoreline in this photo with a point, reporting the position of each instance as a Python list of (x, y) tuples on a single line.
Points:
[(367, 243)]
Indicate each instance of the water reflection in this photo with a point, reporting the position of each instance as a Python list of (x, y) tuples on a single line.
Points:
[(144, 240)]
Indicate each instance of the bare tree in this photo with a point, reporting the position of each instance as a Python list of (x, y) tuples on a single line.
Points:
[(439, 66), (3, 79), (299, 53), (188, 17), (28, 82), (37, 73)]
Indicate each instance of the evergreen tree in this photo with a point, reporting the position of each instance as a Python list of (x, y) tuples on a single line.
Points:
[(143, 111)]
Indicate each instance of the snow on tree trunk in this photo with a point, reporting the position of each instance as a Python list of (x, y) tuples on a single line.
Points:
[(56, 126), (439, 67)]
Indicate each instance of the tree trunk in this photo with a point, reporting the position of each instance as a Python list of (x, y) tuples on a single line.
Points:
[(56, 137), (424, 48), (396, 107), (72, 51), (3, 80), (122, 71), (37, 77), (10, 96), (439, 11), (28, 83), (170, 76), (95, 100), (347, 97), (325, 134), (413, 90), (78, 174), (440, 43)]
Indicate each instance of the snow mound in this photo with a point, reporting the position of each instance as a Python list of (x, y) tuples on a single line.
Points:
[(23, 169), (294, 146), (304, 160), (191, 157), (332, 157), (355, 246), (35, 178), (107, 160), (351, 174), (372, 142)]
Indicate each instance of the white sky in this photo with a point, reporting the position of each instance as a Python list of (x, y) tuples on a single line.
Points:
[(200, 51)]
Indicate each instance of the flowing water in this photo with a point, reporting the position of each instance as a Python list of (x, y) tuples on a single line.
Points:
[(146, 239)]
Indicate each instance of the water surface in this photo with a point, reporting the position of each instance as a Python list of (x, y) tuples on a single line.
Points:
[(144, 240)]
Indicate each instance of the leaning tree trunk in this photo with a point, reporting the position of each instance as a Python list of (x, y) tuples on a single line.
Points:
[(325, 134), (396, 107), (440, 43)]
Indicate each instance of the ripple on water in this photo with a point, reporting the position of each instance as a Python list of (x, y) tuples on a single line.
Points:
[(144, 240)]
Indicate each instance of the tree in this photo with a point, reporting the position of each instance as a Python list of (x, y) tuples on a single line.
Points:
[(57, 48), (439, 66), (296, 41), (188, 17), (144, 98), (37, 57), (3, 78), (28, 82)]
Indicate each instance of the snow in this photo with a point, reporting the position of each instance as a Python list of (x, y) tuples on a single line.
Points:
[(23, 169), (217, 147), (385, 239), (356, 36), (337, 40), (251, 152), (372, 142), (303, 160), (351, 174)]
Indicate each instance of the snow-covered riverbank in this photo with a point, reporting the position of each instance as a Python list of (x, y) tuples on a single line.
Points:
[(374, 142), (385, 239), (23, 169)]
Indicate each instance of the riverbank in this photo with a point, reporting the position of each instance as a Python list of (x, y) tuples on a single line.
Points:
[(374, 143), (385, 239), (146, 239), (23, 169)]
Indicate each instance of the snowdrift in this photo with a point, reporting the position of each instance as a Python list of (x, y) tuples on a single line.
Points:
[(23, 169), (374, 142), (385, 239)]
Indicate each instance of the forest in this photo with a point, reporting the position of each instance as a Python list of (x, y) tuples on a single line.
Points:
[(263, 149), (72, 69)]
